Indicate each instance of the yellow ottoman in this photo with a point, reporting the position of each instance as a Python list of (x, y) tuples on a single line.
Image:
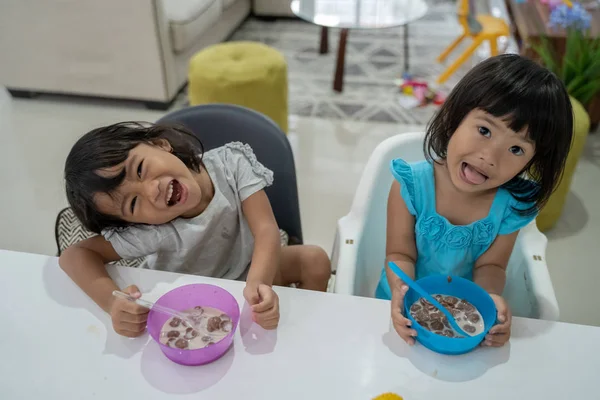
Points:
[(248, 74), (550, 214)]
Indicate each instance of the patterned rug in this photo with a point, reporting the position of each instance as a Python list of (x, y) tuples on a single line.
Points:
[(374, 59)]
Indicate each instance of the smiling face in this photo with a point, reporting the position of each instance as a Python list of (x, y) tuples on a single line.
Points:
[(484, 153), (157, 187)]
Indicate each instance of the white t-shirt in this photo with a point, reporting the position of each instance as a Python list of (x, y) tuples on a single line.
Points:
[(217, 243)]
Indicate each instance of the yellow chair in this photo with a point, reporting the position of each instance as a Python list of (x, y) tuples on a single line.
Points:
[(247, 74), (480, 29)]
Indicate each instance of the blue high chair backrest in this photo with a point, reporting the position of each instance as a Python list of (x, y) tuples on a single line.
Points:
[(218, 124)]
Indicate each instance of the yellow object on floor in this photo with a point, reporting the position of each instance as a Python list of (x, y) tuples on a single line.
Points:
[(248, 74), (388, 396), (550, 214), (480, 28)]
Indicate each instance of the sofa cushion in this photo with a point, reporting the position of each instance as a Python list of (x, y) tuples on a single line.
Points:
[(228, 3), (189, 19)]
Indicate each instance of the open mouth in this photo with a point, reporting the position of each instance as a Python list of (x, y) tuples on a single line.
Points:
[(473, 175), (174, 193)]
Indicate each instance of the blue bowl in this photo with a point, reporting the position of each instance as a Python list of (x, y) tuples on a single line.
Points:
[(463, 289)]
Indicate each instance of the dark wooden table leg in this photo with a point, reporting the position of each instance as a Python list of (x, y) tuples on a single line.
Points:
[(338, 81), (406, 63), (324, 48)]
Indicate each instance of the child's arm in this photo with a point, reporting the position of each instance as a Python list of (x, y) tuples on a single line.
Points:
[(490, 274), (265, 260), (490, 268), (400, 244), (400, 248), (84, 263)]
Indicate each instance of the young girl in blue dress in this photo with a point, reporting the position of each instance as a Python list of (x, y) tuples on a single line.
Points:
[(495, 151)]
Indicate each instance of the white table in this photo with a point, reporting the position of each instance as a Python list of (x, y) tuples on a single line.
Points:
[(69, 351), (357, 14)]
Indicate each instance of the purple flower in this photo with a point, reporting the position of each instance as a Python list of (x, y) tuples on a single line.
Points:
[(566, 17)]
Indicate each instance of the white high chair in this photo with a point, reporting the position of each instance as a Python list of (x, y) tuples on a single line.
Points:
[(359, 248)]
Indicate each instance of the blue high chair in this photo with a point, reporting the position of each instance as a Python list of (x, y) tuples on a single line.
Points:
[(359, 248)]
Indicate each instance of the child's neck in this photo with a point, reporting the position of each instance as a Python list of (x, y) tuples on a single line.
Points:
[(208, 193), (458, 207)]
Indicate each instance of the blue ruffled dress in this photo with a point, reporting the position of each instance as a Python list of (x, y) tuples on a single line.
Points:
[(444, 248)]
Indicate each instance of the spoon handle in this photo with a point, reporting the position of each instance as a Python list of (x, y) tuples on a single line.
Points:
[(408, 280), (150, 305), (417, 288)]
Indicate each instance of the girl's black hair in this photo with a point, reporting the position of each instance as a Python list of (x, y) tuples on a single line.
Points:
[(525, 95), (108, 146)]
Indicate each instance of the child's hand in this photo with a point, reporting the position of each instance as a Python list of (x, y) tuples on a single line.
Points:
[(265, 304), (500, 334), (129, 319), (401, 323)]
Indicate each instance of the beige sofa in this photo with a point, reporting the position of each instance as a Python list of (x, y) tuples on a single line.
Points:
[(131, 49), (272, 8)]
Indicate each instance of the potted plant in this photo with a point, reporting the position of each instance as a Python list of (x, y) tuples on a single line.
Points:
[(579, 64)]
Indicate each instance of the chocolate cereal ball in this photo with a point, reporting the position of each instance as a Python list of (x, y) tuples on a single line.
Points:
[(427, 304), (473, 318), (213, 324), (437, 325), (181, 344), (225, 317), (173, 334), (190, 333), (175, 322), (469, 328), (422, 316), (446, 322), (226, 326), (469, 308), (415, 308), (447, 333)]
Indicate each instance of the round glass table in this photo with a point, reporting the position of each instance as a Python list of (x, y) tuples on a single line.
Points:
[(357, 14)]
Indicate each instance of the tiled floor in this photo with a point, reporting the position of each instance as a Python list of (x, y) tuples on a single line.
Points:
[(37, 134)]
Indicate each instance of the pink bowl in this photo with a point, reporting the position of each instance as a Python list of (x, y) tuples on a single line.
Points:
[(189, 296)]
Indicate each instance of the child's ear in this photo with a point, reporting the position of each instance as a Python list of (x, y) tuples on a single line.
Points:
[(163, 144)]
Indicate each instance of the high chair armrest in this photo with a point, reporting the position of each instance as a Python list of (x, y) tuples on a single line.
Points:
[(534, 245), (344, 255)]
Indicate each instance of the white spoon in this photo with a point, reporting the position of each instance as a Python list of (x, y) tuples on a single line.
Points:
[(187, 318)]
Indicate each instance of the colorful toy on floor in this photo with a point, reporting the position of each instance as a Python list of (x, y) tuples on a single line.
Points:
[(420, 90)]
